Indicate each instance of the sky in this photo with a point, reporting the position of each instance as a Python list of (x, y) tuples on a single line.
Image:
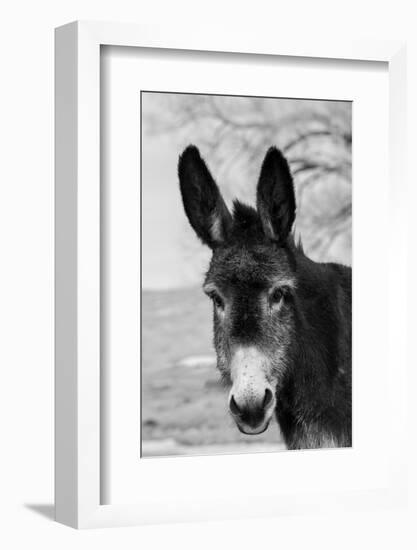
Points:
[(164, 226)]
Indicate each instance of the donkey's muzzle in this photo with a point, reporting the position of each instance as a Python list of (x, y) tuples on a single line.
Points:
[(251, 399), (252, 416)]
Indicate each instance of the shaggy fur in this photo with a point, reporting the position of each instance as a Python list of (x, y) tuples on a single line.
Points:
[(268, 294)]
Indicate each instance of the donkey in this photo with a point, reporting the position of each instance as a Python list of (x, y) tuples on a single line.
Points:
[(282, 322)]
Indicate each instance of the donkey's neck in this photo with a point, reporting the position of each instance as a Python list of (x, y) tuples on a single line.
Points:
[(314, 404)]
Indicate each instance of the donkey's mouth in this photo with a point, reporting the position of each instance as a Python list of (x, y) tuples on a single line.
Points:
[(247, 430)]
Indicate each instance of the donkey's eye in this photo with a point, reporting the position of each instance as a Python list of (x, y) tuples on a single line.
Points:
[(214, 296), (217, 300), (276, 296)]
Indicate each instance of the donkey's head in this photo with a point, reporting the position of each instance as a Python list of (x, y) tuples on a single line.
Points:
[(251, 281)]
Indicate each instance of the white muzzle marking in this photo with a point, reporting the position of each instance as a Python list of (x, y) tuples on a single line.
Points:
[(251, 399)]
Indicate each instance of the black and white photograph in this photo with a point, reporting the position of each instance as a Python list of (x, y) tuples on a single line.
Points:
[(208, 268), (246, 233)]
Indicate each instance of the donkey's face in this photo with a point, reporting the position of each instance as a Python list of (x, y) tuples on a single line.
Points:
[(251, 281)]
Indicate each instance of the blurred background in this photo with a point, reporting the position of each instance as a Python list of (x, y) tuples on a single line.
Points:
[(184, 407)]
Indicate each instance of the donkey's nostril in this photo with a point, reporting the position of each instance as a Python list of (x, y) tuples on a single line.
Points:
[(267, 399), (233, 406)]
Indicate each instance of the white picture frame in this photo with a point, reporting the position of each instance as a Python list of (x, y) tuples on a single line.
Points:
[(78, 410)]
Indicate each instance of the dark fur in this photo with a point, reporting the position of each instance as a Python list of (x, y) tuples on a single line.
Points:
[(308, 340)]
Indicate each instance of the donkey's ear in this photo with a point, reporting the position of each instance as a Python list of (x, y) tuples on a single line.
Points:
[(275, 198), (203, 203)]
